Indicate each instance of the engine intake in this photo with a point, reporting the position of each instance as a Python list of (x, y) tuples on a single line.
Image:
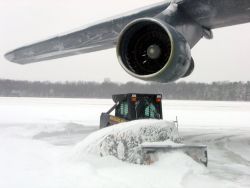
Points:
[(152, 50)]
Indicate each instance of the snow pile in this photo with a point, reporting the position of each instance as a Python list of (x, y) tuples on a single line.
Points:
[(29, 159), (33, 163), (123, 140)]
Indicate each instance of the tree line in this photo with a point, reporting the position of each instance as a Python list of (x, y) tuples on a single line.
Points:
[(226, 91)]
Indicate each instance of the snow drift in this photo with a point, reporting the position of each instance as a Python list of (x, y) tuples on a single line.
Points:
[(46, 161), (124, 140)]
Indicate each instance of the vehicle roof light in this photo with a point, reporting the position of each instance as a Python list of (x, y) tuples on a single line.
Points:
[(133, 98)]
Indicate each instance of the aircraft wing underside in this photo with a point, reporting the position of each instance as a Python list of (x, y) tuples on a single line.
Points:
[(210, 14)]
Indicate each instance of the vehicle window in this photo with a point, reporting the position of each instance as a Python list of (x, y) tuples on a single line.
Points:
[(146, 108), (122, 109), (150, 111)]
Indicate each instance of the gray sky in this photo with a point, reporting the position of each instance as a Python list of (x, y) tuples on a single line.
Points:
[(225, 58)]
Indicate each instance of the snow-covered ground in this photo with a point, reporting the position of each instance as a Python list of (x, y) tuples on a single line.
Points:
[(40, 140)]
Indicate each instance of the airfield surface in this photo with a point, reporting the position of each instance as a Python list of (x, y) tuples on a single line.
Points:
[(40, 140)]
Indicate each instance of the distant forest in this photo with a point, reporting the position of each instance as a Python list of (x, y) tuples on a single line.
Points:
[(226, 91)]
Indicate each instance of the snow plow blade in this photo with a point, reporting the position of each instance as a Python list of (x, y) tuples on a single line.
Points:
[(196, 152)]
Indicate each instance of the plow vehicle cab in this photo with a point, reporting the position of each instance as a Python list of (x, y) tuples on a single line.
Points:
[(130, 107)]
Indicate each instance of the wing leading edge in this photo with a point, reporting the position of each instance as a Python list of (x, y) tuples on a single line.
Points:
[(210, 14), (99, 36)]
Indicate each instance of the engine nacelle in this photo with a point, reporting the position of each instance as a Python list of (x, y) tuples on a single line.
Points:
[(152, 50)]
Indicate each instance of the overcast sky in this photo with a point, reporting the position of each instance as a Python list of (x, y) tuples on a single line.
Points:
[(225, 58)]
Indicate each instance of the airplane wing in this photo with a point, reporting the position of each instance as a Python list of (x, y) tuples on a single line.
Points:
[(214, 14), (210, 14), (98, 36)]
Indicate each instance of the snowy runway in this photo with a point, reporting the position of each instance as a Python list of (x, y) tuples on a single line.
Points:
[(39, 137)]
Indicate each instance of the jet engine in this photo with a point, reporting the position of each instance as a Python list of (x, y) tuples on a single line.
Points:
[(152, 50)]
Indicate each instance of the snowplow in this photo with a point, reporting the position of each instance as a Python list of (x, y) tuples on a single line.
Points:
[(134, 131), (129, 107)]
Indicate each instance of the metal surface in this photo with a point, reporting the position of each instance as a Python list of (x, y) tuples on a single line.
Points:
[(171, 67), (196, 152), (207, 14), (98, 36)]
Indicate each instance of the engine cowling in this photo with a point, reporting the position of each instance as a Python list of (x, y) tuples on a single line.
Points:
[(152, 50)]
